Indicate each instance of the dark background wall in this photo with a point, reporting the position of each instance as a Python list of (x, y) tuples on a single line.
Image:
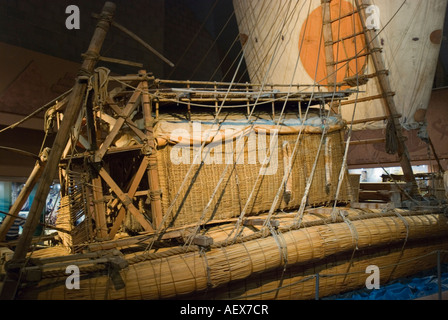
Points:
[(167, 25), (39, 56)]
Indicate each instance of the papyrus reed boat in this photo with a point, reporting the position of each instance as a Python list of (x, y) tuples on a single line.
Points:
[(193, 189)]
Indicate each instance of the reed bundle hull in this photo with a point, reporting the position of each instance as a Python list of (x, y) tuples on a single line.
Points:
[(266, 265)]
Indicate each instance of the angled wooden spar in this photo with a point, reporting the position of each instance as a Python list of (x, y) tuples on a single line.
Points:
[(139, 40), (130, 107), (131, 192), (24, 194), (373, 45), (72, 111), (128, 121), (125, 199)]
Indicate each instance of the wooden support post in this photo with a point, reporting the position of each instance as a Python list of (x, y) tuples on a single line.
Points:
[(216, 100), (248, 100), (188, 105), (436, 156), (24, 194), (100, 210), (151, 153), (91, 130), (373, 44), (50, 170)]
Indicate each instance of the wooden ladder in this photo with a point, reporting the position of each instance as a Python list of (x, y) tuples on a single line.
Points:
[(374, 51)]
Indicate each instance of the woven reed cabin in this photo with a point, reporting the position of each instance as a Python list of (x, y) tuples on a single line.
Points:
[(192, 189)]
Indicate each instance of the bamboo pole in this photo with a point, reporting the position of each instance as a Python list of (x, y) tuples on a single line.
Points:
[(253, 86), (382, 118), (50, 170), (375, 97), (343, 17), (368, 141), (46, 225)]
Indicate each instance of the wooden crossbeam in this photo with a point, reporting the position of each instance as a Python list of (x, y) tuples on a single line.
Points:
[(130, 107), (347, 37), (365, 99), (120, 61), (131, 192), (349, 14), (360, 55), (131, 123), (368, 141), (125, 199)]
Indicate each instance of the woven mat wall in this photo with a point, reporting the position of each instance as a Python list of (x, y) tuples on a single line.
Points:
[(72, 214), (66, 219), (239, 179)]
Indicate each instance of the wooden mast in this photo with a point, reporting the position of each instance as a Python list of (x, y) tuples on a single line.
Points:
[(61, 139), (374, 48), (328, 42), (150, 153)]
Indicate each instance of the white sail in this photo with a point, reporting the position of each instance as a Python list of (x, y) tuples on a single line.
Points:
[(284, 44)]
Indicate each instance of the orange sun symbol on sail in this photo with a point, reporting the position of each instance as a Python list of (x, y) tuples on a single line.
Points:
[(347, 41)]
